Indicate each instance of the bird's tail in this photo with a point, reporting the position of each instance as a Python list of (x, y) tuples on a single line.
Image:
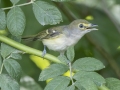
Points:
[(30, 38)]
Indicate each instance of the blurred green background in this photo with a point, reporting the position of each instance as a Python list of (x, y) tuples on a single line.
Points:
[(102, 44)]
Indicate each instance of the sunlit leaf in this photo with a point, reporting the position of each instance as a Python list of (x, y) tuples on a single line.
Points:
[(46, 13), (16, 21), (53, 71)]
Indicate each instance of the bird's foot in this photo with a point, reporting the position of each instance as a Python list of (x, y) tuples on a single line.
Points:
[(44, 52)]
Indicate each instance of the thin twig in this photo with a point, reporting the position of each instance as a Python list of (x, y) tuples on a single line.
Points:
[(24, 4)]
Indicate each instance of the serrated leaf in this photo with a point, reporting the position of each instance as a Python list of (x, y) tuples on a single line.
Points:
[(8, 83), (58, 83), (13, 68), (62, 0), (88, 64), (14, 1), (46, 13), (2, 20), (6, 50), (53, 71), (72, 87), (63, 58), (113, 83), (95, 77), (16, 21), (85, 84), (70, 53)]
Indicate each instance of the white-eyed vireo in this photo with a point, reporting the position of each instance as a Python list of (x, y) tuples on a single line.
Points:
[(61, 37)]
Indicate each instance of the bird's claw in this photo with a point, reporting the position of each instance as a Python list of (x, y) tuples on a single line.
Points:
[(44, 52)]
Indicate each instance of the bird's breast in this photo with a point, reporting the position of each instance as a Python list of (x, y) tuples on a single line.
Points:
[(60, 43)]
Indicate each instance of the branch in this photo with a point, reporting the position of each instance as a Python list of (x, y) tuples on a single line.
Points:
[(27, 49), (24, 4)]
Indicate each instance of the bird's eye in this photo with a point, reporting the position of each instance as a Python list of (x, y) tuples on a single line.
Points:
[(81, 25)]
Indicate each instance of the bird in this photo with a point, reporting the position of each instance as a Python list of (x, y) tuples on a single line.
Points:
[(59, 38)]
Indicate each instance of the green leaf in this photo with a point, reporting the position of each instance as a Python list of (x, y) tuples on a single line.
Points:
[(16, 21), (88, 64), (8, 83), (16, 56), (2, 20), (95, 77), (13, 68), (46, 13), (113, 83), (14, 1), (63, 58), (85, 84), (58, 83), (6, 50), (53, 71), (29, 83), (72, 87), (62, 0), (70, 53)]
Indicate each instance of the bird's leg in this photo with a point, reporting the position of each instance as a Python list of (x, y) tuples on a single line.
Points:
[(44, 52)]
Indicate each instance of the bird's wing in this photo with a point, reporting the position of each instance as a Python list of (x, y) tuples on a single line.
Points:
[(49, 33)]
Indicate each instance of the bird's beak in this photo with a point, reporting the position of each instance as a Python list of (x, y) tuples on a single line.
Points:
[(92, 27)]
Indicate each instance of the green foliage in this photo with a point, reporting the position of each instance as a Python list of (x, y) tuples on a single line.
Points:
[(85, 84), (113, 83), (46, 13), (58, 83), (88, 64), (13, 68), (2, 20), (16, 24), (53, 71), (93, 76), (70, 53), (8, 83)]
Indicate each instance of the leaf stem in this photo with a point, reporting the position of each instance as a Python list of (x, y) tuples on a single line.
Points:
[(24, 4), (27, 49)]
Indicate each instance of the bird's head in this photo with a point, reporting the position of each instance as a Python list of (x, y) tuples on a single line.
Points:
[(83, 25)]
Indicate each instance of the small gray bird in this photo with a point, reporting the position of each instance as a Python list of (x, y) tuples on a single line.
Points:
[(61, 37)]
